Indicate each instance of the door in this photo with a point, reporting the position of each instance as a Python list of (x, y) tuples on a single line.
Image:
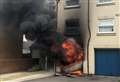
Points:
[(107, 62)]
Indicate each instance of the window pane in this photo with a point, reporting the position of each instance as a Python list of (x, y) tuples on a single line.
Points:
[(106, 29), (51, 2), (106, 23), (72, 23), (51, 5), (102, 1), (72, 27), (72, 2)]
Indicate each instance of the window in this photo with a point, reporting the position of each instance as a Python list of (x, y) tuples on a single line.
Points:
[(51, 4), (104, 1), (72, 27), (72, 3), (24, 38), (25, 49), (106, 26)]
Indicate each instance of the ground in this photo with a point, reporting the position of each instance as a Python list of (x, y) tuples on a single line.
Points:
[(77, 79)]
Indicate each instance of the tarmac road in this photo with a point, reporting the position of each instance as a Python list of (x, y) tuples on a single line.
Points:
[(77, 79)]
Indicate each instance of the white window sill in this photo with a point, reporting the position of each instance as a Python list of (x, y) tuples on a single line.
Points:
[(73, 6), (106, 34), (105, 3)]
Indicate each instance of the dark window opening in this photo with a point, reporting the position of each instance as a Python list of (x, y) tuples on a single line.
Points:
[(72, 27), (70, 3), (72, 30)]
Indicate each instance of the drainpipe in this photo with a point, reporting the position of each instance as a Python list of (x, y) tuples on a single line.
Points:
[(57, 4), (88, 43)]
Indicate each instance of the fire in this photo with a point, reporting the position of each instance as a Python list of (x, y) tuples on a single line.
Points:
[(74, 56), (77, 73)]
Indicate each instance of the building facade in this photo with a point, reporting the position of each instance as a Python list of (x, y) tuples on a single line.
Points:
[(103, 18)]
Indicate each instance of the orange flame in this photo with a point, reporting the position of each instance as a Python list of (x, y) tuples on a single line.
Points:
[(73, 54)]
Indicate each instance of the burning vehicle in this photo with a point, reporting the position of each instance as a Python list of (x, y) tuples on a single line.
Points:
[(74, 57), (70, 57)]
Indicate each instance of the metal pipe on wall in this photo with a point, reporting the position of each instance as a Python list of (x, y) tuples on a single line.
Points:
[(88, 44)]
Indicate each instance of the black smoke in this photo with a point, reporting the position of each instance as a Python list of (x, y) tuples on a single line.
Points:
[(34, 18)]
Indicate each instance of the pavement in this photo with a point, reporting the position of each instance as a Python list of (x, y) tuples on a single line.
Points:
[(77, 79), (24, 76), (42, 76)]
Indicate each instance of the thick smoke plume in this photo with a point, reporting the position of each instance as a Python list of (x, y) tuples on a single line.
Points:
[(35, 18)]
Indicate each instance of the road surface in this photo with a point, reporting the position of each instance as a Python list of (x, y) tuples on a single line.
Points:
[(77, 79)]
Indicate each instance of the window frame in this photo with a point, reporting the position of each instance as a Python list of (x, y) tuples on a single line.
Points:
[(71, 6), (113, 23)]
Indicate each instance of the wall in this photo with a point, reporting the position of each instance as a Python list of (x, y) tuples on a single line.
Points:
[(103, 41)]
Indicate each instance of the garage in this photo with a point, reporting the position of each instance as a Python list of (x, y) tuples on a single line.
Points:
[(107, 62)]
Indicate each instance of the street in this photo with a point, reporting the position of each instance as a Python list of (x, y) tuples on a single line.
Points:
[(77, 79)]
